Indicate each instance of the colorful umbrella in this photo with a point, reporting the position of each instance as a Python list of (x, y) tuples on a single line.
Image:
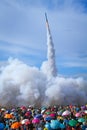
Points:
[(15, 125), (73, 122), (81, 120), (53, 115), (59, 117), (83, 107), (55, 124), (78, 114), (23, 108), (47, 125), (45, 129), (25, 121), (8, 116), (60, 112), (2, 126), (43, 111), (28, 113), (66, 113), (3, 109), (43, 108), (48, 112), (45, 115), (36, 121), (82, 113), (48, 118), (85, 111), (38, 116), (62, 126)]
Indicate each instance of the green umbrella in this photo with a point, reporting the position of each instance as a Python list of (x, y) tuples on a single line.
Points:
[(48, 112), (81, 120), (73, 122)]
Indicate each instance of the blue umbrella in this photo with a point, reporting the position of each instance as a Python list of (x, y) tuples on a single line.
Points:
[(47, 125), (55, 124), (77, 109), (8, 111), (48, 118), (81, 120), (43, 108), (62, 126), (2, 126), (38, 116)]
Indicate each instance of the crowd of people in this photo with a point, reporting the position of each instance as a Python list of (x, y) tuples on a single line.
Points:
[(70, 117)]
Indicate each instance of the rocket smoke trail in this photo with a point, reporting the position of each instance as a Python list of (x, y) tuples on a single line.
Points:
[(50, 64), (51, 51)]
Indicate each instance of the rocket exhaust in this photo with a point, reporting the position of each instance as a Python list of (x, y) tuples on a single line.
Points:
[(50, 51)]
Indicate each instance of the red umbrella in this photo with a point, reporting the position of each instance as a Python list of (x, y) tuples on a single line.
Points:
[(25, 121), (28, 113), (23, 108)]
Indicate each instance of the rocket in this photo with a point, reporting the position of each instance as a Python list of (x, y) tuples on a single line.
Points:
[(47, 24), (46, 17)]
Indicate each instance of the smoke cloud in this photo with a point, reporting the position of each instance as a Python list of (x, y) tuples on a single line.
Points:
[(21, 84)]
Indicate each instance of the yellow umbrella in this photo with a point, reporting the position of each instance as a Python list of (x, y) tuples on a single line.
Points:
[(15, 125), (45, 128)]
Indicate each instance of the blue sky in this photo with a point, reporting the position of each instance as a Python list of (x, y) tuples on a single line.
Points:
[(23, 33)]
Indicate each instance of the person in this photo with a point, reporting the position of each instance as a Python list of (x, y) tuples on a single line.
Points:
[(84, 126), (78, 127), (68, 127)]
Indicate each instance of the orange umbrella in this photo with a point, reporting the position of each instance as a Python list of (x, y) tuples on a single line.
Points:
[(15, 125), (8, 116)]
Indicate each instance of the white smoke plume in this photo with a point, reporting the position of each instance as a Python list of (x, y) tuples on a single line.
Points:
[(21, 84), (49, 67)]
